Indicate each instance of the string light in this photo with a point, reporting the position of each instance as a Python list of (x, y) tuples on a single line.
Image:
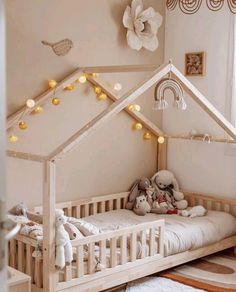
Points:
[(94, 75), (56, 101), (82, 78), (22, 125), (69, 87), (147, 136), (30, 103), (161, 139), (52, 83), (12, 138), (102, 96), (37, 110), (134, 107), (138, 126), (117, 86), (97, 89)]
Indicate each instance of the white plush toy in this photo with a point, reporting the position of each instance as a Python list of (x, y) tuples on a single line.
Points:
[(64, 253), (197, 211), (141, 206), (166, 184)]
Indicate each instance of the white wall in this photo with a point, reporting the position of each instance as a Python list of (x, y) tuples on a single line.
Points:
[(199, 166)]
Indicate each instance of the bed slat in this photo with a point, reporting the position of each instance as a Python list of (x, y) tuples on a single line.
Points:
[(29, 250), (102, 253), (152, 242), (133, 246), (94, 208), (161, 240), (143, 244), (123, 247), (13, 253), (113, 253), (80, 261), (21, 256), (91, 258), (68, 272)]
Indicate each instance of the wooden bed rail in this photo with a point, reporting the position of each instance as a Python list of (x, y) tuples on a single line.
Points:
[(211, 202), (91, 206), (115, 249), (20, 258), (100, 204)]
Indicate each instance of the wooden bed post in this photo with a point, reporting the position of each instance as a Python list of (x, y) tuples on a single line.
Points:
[(162, 155), (49, 193)]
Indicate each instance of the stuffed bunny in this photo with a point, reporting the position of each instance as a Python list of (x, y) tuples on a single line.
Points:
[(139, 188), (166, 185), (141, 206), (64, 252)]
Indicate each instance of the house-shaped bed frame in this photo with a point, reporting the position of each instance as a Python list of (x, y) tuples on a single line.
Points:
[(131, 268)]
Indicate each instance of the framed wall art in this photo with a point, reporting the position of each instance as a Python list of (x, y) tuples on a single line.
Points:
[(195, 64)]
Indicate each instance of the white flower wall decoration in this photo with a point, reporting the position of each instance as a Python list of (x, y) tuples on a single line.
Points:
[(142, 26)]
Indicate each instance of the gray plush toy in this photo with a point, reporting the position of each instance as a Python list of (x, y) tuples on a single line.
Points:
[(141, 206), (138, 189)]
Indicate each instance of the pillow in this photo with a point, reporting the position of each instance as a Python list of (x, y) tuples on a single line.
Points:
[(73, 231), (85, 227)]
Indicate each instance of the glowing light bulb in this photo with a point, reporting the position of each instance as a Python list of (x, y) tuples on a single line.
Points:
[(147, 136), (102, 96), (69, 87), (22, 125), (82, 79), (37, 110), (137, 107), (56, 101), (134, 107), (138, 126), (161, 139), (117, 86), (97, 89), (30, 103), (52, 83), (13, 138)]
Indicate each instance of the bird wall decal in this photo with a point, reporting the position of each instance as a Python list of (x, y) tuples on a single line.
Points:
[(60, 48)]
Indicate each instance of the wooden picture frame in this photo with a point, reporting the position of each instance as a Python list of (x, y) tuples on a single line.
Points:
[(195, 64)]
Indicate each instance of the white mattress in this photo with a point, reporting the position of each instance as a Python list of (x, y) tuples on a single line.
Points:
[(181, 233)]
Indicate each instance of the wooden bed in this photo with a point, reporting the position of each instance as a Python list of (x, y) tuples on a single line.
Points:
[(21, 247), (42, 270)]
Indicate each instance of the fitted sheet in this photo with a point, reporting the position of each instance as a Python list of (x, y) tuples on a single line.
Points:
[(181, 233)]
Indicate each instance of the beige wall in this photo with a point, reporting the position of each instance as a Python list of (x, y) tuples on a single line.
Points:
[(199, 166), (112, 158)]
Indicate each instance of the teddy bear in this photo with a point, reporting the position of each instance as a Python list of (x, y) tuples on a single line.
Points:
[(141, 206), (139, 188), (167, 188), (64, 252)]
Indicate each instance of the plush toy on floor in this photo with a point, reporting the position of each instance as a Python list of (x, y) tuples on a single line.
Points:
[(64, 253), (166, 185)]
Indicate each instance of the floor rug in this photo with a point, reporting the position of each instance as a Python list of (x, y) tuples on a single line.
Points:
[(215, 273), (158, 284)]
